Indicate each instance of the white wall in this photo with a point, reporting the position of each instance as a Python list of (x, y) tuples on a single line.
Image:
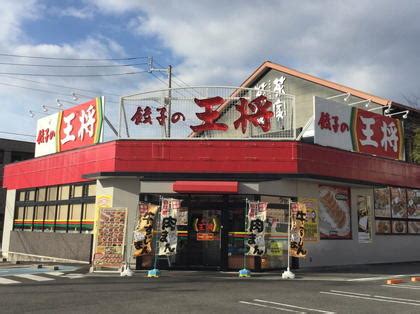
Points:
[(9, 212)]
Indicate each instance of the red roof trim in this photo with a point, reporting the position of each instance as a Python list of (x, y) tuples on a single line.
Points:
[(206, 187)]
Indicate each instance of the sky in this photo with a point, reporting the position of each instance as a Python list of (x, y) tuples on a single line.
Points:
[(371, 45)]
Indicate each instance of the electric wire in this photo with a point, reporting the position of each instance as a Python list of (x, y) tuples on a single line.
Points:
[(73, 66), (62, 86), (72, 75), (72, 59), (20, 134)]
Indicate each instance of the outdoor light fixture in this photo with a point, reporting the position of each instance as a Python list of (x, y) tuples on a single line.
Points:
[(388, 109), (44, 108), (368, 103), (405, 114), (59, 104), (31, 113), (347, 97), (75, 98)]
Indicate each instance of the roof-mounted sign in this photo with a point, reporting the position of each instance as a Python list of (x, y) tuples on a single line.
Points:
[(358, 130), (78, 126)]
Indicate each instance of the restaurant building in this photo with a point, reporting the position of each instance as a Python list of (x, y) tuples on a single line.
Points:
[(282, 137)]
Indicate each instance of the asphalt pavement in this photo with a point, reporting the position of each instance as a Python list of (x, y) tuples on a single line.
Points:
[(356, 289)]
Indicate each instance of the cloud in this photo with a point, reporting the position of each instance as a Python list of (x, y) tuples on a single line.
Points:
[(79, 13), (368, 45)]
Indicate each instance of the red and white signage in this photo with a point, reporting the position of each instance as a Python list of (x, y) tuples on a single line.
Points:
[(349, 128), (78, 126)]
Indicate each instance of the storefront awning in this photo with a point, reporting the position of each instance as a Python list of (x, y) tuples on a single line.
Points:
[(205, 186)]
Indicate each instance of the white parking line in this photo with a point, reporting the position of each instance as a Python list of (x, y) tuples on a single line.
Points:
[(399, 299), (74, 276), (382, 277), (34, 277), (360, 294), (294, 306), (55, 273), (271, 307), (368, 298), (402, 287), (5, 281)]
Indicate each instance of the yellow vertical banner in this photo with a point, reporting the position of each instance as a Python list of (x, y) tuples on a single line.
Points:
[(143, 233), (297, 229), (312, 219)]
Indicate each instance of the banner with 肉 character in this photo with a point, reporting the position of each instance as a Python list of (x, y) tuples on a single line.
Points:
[(143, 234), (297, 229), (256, 219), (168, 226), (110, 237)]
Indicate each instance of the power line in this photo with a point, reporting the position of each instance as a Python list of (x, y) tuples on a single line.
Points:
[(73, 59), (62, 86), (32, 88), (73, 75), (73, 66)]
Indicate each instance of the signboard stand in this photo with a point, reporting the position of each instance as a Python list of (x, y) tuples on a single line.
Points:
[(287, 274), (154, 273), (244, 272)]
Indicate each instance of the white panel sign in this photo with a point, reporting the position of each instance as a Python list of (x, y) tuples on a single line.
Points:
[(46, 130), (332, 124)]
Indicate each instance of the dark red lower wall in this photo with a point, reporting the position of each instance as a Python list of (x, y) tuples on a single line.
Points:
[(210, 157)]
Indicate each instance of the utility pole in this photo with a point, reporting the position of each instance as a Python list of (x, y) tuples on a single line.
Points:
[(168, 100)]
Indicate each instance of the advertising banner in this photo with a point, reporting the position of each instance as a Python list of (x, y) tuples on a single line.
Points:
[(334, 212), (354, 129), (168, 226), (78, 126), (364, 219), (413, 204), (297, 229), (110, 238), (143, 233), (398, 203), (382, 203), (256, 219), (312, 219)]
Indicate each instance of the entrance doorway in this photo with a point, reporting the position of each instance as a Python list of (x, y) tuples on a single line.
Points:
[(204, 238)]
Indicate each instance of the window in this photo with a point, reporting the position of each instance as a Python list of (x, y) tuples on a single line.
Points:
[(28, 218), (77, 190), (52, 193), (61, 221), (88, 217), (42, 193), (39, 218), (64, 208), (18, 221), (49, 218), (64, 192)]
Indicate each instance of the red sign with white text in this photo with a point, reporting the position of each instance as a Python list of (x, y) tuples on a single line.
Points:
[(81, 125), (75, 127), (377, 135)]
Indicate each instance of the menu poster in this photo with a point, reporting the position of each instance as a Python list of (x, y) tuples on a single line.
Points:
[(312, 219), (109, 251), (143, 233), (398, 203), (414, 227), (399, 227), (363, 218), (334, 212), (256, 221), (382, 203), (413, 204), (383, 226)]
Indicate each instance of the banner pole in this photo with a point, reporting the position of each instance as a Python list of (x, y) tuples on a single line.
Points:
[(288, 274), (155, 272), (245, 272)]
